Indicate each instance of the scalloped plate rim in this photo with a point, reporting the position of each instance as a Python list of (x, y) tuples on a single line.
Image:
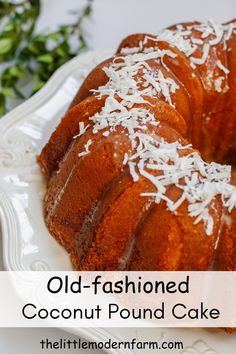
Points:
[(16, 115), (6, 222)]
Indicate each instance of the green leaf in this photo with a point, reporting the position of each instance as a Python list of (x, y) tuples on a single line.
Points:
[(34, 48), (41, 38), (45, 58), (63, 49), (38, 85), (5, 45), (9, 27), (2, 104), (55, 36), (8, 92), (60, 51), (87, 10), (16, 71), (36, 55)]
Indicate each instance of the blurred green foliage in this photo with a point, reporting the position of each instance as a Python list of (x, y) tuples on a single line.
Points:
[(33, 57)]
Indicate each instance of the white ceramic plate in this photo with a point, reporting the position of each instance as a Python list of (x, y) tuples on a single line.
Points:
[(27, 245), (23, 132)]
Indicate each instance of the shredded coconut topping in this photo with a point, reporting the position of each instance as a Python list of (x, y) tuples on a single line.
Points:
[(188, 42), (163, 163), (166, 164), (122, 79)]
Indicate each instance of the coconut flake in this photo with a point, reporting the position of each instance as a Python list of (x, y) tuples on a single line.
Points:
[(222, 67), (218, 83), (86, 149), (82, 129), (202, 60)]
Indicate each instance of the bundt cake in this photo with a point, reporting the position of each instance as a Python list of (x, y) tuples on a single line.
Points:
[(131, 180)]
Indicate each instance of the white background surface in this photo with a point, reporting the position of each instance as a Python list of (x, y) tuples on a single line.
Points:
[(112, 20)]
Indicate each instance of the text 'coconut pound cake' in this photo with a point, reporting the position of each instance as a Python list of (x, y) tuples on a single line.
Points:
[(136, 168)]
